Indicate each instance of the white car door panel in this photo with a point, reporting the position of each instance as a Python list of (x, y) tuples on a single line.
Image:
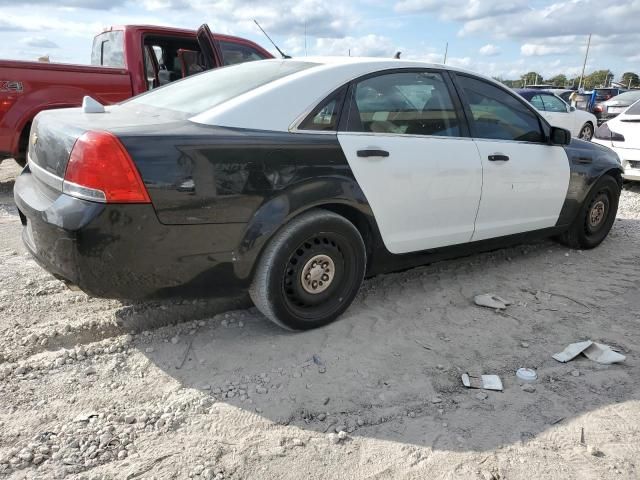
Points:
[(525, 193), (525, 180), (425, 194)]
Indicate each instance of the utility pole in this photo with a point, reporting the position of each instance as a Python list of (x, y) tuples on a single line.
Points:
[(584, 65), (446, 51)]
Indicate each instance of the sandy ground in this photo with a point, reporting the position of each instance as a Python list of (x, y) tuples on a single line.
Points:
[(93, 388)]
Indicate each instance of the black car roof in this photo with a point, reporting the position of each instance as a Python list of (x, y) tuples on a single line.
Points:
[(530, 92)]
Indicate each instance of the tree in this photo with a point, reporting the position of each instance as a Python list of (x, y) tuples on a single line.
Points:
[(558, 81), (599, 78), (630, 79), (531, 78)]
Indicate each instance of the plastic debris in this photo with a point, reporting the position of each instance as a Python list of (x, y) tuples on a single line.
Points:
[(485, 382), (593, 351), (526, 375), (491, 300)]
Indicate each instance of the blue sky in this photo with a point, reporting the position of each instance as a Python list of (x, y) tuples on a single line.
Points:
[(503, 38)]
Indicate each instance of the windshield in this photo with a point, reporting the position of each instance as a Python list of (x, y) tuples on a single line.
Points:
[(627, 98), (201, 92)]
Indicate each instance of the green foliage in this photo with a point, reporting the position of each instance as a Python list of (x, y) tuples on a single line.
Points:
[(630, 79)]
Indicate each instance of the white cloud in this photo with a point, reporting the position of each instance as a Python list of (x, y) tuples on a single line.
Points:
[(489, 50), (39, 42), (366, 46), (538, 50)]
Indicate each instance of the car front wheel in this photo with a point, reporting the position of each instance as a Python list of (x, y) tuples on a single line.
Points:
[(310, 271), (586, 133), (596, 216)]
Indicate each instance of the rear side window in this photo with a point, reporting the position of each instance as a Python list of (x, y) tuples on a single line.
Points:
[(537, 102), (498, 115), (325, 116), (410, 103), (108, 49), (234, 53)]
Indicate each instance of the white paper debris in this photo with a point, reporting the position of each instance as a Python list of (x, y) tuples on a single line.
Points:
[(485, 382), (491, 300), (593, 351)]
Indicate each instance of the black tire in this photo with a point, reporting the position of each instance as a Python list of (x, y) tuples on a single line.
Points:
[(22, 161), (330, 250), (596, 216), (586, 132)]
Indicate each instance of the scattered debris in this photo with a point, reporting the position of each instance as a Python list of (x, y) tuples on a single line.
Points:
[(529, 388), (526, 375), (593, 351), (485, 382), (491, 300)]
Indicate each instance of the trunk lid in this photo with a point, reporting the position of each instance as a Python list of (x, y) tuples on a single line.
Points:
[(54, 133)]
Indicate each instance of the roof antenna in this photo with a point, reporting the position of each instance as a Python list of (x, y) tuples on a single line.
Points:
[(397, 55), (272, 42)]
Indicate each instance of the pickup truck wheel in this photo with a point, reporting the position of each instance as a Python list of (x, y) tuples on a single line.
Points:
[(596, 216), (310, 271), (586, 133)]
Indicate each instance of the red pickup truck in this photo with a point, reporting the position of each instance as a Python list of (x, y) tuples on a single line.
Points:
[(125, 61)]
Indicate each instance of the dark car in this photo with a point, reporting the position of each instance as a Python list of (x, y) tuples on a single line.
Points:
[(615, 106), (604, 94), (293, 179)]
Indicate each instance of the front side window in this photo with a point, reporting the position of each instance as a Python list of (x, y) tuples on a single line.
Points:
[(554, 104), (499, 115), (108, 49), (234, 53), (537, 102), (410, 103)]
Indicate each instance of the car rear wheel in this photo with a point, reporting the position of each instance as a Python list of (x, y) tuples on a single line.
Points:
[(596, 216), (586, 133), (310, 271)]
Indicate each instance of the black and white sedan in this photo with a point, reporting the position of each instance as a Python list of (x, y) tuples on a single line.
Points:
[(295, 179)]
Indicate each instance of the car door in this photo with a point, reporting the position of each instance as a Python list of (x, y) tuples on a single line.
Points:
[(409, 150), (525, 179), (559, 114), (211, 55)]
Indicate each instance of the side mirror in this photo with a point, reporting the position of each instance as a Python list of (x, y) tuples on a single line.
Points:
[(560, 136), (572, 109)]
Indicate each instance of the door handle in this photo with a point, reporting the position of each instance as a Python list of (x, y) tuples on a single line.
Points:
[(372, 153), (583, 160), (498, 158)]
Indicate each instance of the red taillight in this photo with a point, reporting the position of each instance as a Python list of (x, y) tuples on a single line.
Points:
[(100, 166), (598, 108)]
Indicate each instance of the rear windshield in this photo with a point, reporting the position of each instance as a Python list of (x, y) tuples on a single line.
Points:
[(108, 49), (627, 97), (201, 92), (634, 109)]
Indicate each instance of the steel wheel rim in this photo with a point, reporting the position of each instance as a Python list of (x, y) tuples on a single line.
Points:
[(597, 214), (317, 274)]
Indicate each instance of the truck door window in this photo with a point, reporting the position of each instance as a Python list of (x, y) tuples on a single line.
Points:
[(108, 49), (233, 53)]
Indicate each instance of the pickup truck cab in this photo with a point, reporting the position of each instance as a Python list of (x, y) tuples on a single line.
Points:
[(125, 61)]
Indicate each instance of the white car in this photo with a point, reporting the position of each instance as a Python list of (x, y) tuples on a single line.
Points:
[(622, 134), (558, 113)]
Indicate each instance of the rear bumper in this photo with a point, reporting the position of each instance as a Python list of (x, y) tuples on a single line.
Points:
[(123, 251), (630, 159)]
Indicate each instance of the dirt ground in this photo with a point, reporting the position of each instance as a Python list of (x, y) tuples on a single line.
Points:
[(94, 389)]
